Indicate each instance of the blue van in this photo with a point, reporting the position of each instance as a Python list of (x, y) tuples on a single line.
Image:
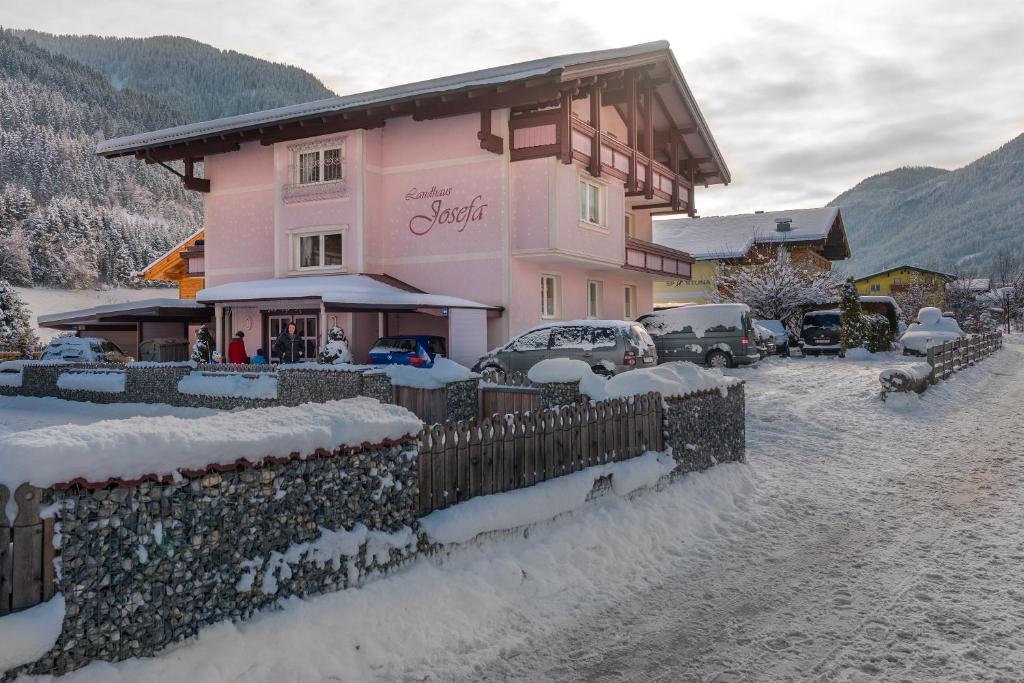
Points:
[(418, 350)]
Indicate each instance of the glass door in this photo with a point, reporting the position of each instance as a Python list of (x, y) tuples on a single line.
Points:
[(307, 328)]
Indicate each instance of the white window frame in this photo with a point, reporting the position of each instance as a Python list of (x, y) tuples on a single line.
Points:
[(320, 151), (595, 303), (629, 302), (295, 244), (556, 299), (600, 200), (629, 224)]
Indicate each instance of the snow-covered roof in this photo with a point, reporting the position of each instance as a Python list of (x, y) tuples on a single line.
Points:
[(907, 266), (880, 299), (723, 237), (344, 291), (173, 251), (142, 308)]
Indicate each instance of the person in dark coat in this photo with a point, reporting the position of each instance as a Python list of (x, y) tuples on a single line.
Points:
[(236, 349), (289, 345)]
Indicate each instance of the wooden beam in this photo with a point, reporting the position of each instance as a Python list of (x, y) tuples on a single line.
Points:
[(595, 121), (197, 149), (649, 138), (631, 121), (690, 208), (488, 140), (191, 182), (565, 129), (675, 169)]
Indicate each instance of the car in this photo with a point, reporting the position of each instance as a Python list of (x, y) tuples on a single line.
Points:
[(418, 350), (84, 350), (931, 328), (718, 335), (779, 334), (608, 346), (820, 333)]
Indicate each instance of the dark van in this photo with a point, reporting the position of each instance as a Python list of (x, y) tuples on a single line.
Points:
[(820, 333)]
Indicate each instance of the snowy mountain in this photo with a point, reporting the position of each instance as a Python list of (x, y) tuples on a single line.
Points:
[(947, 220), (198, 80), (69, 219)]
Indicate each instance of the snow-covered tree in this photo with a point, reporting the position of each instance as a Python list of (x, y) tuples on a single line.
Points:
[(968, 306), (853, 330), (1008, 290), (336, 350), (777, 288), (914, 295), (16, 331), (202, 349)]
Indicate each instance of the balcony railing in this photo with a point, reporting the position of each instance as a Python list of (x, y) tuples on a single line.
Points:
[(655, 259)]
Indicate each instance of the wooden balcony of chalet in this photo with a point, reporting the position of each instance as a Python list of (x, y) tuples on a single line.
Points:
[(656, 260)]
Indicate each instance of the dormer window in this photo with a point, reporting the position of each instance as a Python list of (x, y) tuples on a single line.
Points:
[(320, 165)]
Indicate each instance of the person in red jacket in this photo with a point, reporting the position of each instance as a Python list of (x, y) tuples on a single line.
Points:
[(236, 350)]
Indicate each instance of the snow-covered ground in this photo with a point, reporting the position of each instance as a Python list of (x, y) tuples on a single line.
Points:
[(45, 300), (859, 541), (21, 413)]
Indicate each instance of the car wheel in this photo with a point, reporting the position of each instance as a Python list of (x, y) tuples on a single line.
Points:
[(842, 354), (719, 359), (603, 371)]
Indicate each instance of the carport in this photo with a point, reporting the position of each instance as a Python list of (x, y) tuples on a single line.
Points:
[(129, 324), (365, 306)]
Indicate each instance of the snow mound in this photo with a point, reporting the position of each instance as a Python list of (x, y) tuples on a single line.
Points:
[(442, 372), (104, 382), (929, 315), (559, 370), (10, 379), (229, 384), (28, 635), (134, 447), (933, 329), (669, 379), (541, 502)]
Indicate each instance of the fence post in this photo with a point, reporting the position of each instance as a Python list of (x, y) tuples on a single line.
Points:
[(932, 379), (5, 554), (27, 542)]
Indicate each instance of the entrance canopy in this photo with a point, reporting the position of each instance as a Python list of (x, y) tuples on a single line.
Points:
[(357, 292), (145, 310)]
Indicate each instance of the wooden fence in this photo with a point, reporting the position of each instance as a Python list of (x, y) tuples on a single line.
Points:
[(957, 354), (429, 405), (505, 400), (462, 460), (26, 552)]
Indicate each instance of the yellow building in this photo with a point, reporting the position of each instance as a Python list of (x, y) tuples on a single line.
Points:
[(898, 278), (812, 236), (183, 264)]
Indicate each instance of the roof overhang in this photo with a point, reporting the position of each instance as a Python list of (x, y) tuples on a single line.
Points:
[(146, 310), (516, 85)]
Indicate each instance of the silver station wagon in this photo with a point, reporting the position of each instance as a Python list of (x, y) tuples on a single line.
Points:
[(608, 346)]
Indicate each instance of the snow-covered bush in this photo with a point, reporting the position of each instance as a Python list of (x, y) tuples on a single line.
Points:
[(202, 350), (878, 332), (778, 288), (16, 331), (336, 350)]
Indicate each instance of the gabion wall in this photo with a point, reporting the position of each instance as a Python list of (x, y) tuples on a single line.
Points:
[(705, 429)]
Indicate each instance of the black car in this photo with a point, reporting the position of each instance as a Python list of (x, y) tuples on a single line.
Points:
[(820, 333)]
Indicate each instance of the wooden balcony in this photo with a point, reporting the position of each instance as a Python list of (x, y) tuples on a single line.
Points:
[(654, 259)]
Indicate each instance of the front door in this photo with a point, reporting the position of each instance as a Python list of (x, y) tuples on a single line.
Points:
[(307, 329)]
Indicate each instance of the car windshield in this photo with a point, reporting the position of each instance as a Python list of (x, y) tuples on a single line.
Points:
[(827, 321)]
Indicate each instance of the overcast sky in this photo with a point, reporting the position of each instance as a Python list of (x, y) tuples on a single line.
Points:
[(805, 99)]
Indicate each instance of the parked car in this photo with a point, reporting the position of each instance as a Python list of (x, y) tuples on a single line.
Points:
[(779, 335), (820, 333), (931, 328), (418, 350), (719, 335), (84, 350), (608, 346)]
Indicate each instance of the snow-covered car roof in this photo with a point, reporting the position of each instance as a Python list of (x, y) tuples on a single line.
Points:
[(699, 318), (933, 330)]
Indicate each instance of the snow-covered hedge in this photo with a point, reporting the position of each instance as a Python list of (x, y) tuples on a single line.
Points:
[(107, 382), (229, 384), (135, 447), (444, 371)]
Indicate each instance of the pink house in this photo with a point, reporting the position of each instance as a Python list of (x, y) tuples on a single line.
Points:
[(472, 206)]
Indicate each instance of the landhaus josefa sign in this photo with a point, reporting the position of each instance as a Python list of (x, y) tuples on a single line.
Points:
[(441, 212)]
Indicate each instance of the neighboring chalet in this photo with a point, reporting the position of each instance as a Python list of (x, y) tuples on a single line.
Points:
[(471, 206), (816, 237), (183, 264), (898, 278)]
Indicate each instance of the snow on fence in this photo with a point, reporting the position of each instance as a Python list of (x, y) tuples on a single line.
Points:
[(469, 458), (26, 551), (943, 360)]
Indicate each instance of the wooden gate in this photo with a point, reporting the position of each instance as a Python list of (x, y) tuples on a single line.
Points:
[(429, 405), (504, 400), (26, 552)]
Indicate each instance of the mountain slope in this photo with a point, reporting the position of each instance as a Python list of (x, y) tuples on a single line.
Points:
[(67, 217), (948, 220), (198, 80)]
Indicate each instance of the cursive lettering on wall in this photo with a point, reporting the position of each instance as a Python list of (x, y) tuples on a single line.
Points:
[(440, 214)]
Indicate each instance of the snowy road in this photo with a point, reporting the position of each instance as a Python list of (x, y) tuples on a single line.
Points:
[(858, 542), (862, 560)]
